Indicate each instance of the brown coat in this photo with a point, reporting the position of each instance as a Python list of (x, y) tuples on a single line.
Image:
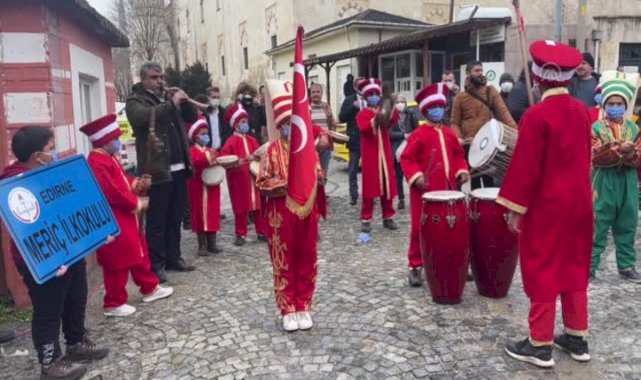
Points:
[(470, 114)]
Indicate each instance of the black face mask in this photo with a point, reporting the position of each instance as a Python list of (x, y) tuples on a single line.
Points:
[(247, 101)]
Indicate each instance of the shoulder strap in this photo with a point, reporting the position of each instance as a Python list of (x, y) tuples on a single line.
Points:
[(486, 102)]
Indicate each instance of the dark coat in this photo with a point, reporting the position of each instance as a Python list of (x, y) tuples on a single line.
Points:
[(169, 129), (348, 116), (517, 101)]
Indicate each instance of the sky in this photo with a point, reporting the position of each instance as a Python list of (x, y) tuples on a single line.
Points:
[(102, 6)]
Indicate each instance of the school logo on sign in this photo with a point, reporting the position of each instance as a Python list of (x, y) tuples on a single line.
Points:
[(24, 205)]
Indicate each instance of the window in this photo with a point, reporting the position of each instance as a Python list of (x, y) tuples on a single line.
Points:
[(202, 12), (246, 58), (629, 54), (222, 65), (572, 42), (274, 41)]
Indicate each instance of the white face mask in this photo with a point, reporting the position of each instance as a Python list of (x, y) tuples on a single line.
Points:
[(214, 102), (506, 86), (401, 106)]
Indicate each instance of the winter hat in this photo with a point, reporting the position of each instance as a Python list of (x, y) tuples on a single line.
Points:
[(431, 96), (369, 86), (619, 87), (554, 63), (193, 128), (234, 113), (587, 57), (102, 130)]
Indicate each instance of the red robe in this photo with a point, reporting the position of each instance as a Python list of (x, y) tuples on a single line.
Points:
[(596, 113), (549, 182), (376, 153), (129, 249), (434, 153), (204, 200), (242, 189)]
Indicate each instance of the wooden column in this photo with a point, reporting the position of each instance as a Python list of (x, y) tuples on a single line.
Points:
[(370, 66), (427, 75)]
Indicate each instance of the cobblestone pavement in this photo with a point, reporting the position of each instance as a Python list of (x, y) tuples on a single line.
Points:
[(222, 321)]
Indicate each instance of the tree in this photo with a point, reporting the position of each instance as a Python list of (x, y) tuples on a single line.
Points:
[(195, 79), (173, 77), (121, 59)]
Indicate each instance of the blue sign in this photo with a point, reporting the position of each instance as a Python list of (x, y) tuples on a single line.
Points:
[(56, 215)]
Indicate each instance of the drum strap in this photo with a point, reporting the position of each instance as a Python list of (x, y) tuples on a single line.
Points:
[(486, 102)]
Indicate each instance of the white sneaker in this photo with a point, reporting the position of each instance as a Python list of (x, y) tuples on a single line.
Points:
[(159, 293), (304, 320), (120, 311), (290, 322)]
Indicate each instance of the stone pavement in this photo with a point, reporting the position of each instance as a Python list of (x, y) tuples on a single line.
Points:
[(222, 321)]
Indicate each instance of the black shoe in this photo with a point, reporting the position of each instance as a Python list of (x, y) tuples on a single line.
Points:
[(162, 275), (415, 278), (526, 352), (390, 224), (261, 237), (240, 241), (212, 246), (576, 346), (353, 201), (7, 335), (366, 227), (401, 204), (180, 266), (62, 369), (631, 275), (202, 245), (85, 350)]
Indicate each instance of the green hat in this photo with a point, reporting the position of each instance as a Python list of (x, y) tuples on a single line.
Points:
[(620, 87)]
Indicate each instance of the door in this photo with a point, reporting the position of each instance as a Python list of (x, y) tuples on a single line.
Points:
[(87, 111), (341, 78), (404, 79)]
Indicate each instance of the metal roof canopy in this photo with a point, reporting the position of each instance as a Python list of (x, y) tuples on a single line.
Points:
[(408, 40)]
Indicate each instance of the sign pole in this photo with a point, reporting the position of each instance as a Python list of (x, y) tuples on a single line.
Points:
[(526, 69)]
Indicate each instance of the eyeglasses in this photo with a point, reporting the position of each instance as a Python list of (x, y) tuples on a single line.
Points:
[(154, 77)]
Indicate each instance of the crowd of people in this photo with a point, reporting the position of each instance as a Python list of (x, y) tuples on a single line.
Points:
[(176, 142)]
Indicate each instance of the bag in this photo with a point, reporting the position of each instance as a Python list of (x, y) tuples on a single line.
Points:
[(486, 102)]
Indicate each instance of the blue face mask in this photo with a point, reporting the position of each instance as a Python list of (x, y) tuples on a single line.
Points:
[(615, 112), (436, 114), (244, 128), (285, 131), (53, 154), (373, 100), (204, 140), (115, 147), (598, 98)]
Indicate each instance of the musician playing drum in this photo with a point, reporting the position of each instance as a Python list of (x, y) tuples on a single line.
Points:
[(614, 177), (547, 189), (433, 160), (204, 200)]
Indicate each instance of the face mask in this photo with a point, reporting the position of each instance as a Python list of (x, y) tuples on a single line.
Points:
[(115, 147), (247, 100), (373, 100), (615, 112), (436, 114), (54, 157), (285, 131), (598, 98), (204, 140), (450, 85), (401, 106), (214, 102), (506, 86), (244, 128)]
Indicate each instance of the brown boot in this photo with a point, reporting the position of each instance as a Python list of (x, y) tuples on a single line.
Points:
[(202, 245), (211, 243), (85, 350), (62, 369)]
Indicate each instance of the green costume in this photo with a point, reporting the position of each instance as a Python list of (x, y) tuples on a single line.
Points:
[(616, 200)]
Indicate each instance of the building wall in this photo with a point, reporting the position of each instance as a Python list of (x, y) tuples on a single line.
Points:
[(616, 31)]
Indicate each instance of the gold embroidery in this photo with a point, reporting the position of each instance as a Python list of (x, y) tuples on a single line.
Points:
[(278, 250)]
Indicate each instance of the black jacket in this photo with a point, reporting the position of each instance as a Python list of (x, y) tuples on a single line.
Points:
[(407, 124), (517, 101), (348, 116), (169, 130)]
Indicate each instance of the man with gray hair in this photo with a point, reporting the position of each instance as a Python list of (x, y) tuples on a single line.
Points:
[(323, 117), (157, 116)]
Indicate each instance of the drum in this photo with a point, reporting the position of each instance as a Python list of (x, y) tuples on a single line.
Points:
[(228, 160), (253, 168), (261, 150), (338, 138), (492, 148), (494, 247), (213, 175), (445, 244)]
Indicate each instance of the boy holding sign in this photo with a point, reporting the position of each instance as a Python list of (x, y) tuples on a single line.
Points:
[(128, 252), (62, 299)]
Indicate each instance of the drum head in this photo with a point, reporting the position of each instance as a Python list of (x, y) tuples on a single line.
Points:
[(228, 159), (443, 196), (253, 168), (488, 193), (261, 149), (485, 144), (213, 176)]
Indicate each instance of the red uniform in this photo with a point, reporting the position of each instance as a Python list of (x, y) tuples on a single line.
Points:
[(128, 252), (377, 164), (434, 153), (204, 200), (548, 181), (292, 241), (596, 114), (242, 189)]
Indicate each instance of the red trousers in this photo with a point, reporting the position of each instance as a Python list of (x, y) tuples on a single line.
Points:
[(367, 209), (116, 283), (240, 221), (293, 252), (575, 317), (414, 257)]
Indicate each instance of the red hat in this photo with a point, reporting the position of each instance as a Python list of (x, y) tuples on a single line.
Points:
[(554, 63), (103, 130), (193, 128), (280, 94), (369, 86), (433, 95), (234, 113)]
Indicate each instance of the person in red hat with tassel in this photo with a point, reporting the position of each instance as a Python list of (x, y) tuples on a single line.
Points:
[(432, 160), (244, 196), (378, 180), (125, 194), (548, 191), (204, 200)]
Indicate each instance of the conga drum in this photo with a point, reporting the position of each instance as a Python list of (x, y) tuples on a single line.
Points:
[(494, 247), (445, 244)]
